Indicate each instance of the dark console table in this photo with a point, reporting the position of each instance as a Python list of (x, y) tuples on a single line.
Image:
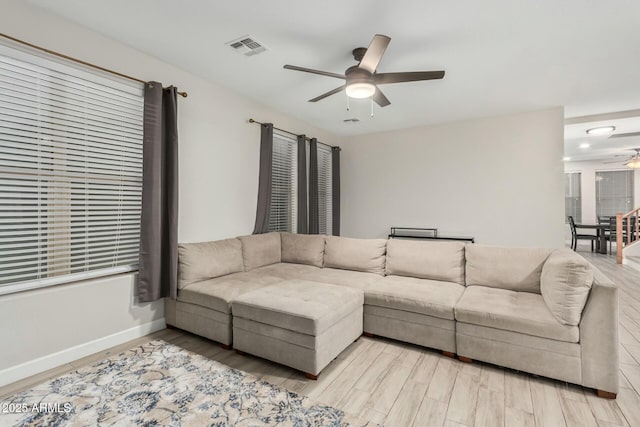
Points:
[(424, 233)]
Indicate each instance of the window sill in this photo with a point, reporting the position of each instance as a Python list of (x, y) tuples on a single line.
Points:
[(65, 279)]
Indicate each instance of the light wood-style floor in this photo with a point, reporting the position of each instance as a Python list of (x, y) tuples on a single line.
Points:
[(403, 385)]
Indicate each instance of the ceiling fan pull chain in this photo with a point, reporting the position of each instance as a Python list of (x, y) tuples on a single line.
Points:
[(348, 109), (371, 106)]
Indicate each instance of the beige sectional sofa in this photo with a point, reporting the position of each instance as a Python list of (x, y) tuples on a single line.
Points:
[(547, 312)]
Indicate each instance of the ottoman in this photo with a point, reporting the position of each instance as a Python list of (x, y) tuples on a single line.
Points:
[(298, 323)]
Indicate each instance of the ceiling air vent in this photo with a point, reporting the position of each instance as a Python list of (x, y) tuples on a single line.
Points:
[(624, 135), (247, 45), (352, 120)]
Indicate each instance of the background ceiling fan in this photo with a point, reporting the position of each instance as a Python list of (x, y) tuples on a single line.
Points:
[(362, 80), (632, 161)]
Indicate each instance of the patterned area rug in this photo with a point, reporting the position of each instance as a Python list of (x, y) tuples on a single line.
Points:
[(160, 384)]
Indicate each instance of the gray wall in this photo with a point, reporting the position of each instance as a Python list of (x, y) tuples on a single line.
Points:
[(499, 179)]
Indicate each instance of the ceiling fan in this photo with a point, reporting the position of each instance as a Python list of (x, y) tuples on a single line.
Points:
[(632, 161), (362, 81)]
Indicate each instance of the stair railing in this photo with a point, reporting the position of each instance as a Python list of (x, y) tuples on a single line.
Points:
[(626, 222)]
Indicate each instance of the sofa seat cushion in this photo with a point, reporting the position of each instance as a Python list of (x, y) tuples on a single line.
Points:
[(521, 312), (284, 270), (367, 255), (303, 248), (422, 296), (335, 276), (299, 305), (517, 269), (426, 260), (218, 293)]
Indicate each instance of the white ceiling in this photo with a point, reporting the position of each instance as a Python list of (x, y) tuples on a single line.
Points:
[(608, 147), (500, 56)]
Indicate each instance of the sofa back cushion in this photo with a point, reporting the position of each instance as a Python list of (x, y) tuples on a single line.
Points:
[(303, 248), (260, 249), (206, 260), (565, 284), (355, 254), (426, 260), (516, 269)]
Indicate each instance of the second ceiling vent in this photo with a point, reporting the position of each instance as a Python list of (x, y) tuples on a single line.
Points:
[(247, 45)]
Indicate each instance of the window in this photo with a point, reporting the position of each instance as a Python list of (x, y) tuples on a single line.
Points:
[(572, 196), (325, 193), (70, 172), (614, 192), (283, 214)]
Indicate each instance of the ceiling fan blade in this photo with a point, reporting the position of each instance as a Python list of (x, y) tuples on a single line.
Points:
[(380, 99), (412, 76), (324, 95), (613, 161), (312, 71), (374, 53)]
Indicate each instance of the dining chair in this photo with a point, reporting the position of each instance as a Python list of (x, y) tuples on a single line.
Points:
[(575, 236), (612, 236), (611, 222)]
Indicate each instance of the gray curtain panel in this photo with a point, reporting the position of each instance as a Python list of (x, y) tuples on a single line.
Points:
[(314, 212), (303, 226), (158, 274), (335, 187), (264, 179)]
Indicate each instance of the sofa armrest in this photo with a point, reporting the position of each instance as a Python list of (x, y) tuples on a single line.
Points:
[(599, 336)]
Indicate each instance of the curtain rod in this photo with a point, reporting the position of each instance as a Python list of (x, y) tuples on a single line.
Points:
[(79, 61), (292, 134)]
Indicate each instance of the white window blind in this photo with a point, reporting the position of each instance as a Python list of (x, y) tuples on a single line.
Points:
[(283, 214), (572, 196), (70, 171), (325, 190), (614, 192)]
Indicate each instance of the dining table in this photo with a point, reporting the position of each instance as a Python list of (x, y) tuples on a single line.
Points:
[(601, 245)]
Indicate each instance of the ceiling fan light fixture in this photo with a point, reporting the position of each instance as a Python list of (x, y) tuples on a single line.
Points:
[(360, 90), (601, 130), (634, 163), (362, 80)]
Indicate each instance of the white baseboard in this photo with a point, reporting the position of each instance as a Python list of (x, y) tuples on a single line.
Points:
[(41, 364)]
